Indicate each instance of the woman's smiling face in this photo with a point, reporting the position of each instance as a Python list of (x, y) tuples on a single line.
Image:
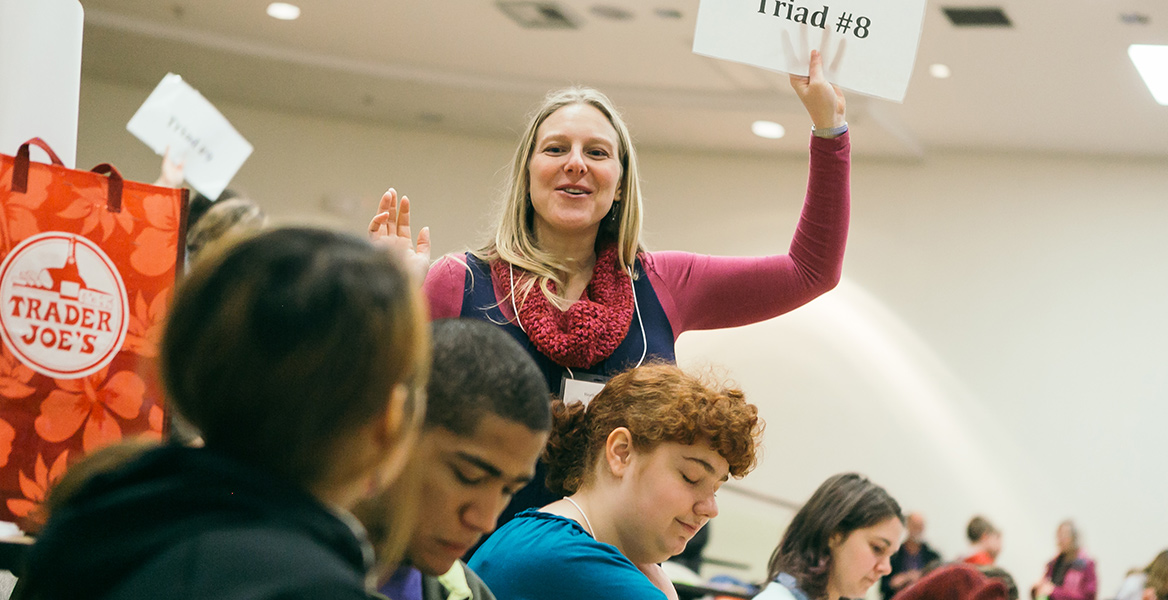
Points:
[(574, 171)]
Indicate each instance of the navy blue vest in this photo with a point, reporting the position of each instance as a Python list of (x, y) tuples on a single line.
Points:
[(479, 302)]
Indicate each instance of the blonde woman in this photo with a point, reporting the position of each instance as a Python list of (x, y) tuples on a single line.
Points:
[(566, 273)]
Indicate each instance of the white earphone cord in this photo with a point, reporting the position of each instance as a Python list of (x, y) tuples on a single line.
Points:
[(582, 514)]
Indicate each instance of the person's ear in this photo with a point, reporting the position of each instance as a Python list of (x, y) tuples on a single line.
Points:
[(394, 435), (618, 451), (392, 421), (835, 540), (1149, 594)]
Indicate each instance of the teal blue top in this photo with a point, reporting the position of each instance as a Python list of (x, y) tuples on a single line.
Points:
[(541, 556)]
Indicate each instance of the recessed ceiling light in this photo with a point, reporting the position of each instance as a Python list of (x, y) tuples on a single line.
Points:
[(283, 11), (940, 71), (768, 129), (1152, 63)]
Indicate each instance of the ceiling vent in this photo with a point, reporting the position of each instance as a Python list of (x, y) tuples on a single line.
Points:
[(977, 17), (612, 13), (539, 15)]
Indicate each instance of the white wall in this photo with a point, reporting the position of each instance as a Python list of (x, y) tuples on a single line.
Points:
[(999, 343)]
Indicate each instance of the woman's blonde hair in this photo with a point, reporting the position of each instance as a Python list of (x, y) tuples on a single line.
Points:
[(515, 241)]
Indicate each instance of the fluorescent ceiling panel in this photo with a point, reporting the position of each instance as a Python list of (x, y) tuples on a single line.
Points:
[(1152, 63)]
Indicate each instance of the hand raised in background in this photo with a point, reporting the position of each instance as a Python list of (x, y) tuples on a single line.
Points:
[(171, 174), (391, 227)]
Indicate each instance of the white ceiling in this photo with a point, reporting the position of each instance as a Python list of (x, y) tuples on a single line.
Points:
[(1059, 81)]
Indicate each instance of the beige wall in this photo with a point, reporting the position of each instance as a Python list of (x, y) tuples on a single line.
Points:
[(999, 343)]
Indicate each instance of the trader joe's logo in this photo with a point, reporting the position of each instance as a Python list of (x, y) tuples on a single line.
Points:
[(63, 305)]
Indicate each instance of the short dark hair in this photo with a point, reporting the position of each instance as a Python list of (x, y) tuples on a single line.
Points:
[(978, 528), (479, 369), (842, 504), (281, 346)]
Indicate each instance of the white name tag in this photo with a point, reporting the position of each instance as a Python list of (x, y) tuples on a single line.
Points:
[(581, 390)]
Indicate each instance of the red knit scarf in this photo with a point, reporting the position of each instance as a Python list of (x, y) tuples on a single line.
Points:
[(592, 327)]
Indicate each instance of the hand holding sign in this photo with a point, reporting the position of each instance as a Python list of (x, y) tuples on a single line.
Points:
[(178, 121), (823, 101), (799, 61), (881, 38), (171, 173)]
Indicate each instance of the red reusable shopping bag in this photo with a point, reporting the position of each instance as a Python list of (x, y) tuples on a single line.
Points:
[(88, 264)]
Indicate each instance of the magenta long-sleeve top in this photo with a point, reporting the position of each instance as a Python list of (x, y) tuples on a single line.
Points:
[(710, 292)]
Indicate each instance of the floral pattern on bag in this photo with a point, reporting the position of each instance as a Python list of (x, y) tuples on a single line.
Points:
[(91, 401), (146, 322), (7, 436), (14, 377), (90, 208), (157, 243), (48, 423), (35, 490)]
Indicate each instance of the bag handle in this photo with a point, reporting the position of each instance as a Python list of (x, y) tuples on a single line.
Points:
[(114, 199), (20, 165), (20, 173)]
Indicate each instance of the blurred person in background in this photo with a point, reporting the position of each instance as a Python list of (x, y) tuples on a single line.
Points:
[(985, 542), (909, 562), (1071, 574), (1148, 583)]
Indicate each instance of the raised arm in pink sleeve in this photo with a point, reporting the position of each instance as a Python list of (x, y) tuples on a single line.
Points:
[(444, 286), (712, 292)]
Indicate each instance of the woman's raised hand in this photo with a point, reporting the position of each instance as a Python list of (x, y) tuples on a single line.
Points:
[(823, 101), (391, 228)]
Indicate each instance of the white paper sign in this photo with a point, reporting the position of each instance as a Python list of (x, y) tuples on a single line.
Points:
[(868, 46), (178, 117)]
